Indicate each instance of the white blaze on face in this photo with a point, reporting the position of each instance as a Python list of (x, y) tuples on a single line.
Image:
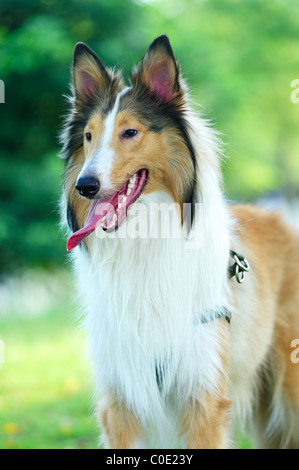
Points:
[(101, 162)]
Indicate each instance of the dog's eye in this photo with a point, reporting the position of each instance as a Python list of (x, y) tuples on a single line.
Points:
[(88, 136), (129, 133)]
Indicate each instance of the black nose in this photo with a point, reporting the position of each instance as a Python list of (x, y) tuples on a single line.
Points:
[(88, 186)]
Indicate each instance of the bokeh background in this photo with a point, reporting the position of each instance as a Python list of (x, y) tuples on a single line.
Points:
[(241, 60)]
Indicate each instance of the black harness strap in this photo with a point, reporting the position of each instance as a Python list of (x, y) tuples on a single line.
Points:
[(224, 314)]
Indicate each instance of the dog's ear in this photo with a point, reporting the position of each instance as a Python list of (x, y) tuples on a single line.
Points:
[(89, 74), (159, 70)]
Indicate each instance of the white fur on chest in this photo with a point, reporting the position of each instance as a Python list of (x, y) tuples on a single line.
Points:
[(144, 299)]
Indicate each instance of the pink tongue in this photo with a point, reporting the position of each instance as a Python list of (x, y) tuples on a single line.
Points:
[(100, 208), (97, 211)]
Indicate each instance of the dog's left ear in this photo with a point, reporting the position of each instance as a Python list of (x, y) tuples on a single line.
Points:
[(158, 70)]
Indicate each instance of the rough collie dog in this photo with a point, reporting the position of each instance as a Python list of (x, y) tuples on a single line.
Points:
[(183, 349)]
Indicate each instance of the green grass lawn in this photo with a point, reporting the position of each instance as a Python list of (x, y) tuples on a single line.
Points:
[(45, 385), (45, 382)]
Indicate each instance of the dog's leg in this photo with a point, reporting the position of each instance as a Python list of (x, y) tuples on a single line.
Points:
[(205, 421), (278, 418), (120, 427), (204, 425)]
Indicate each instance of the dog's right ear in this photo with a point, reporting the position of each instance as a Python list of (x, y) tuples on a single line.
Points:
[(89, 74)]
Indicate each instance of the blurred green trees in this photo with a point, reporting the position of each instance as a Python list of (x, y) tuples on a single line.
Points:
[(239, 57)]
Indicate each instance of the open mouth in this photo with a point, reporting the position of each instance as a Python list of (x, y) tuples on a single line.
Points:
[(111, 211)]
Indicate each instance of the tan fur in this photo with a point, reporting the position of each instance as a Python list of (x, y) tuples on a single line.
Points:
[(204, 425), (96, 127), (120, 424), (146, 150), (272, 249), (152, 151)]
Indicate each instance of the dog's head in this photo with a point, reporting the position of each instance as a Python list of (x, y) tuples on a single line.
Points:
[(121, 143)]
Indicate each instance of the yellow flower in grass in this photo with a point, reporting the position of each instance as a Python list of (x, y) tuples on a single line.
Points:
[(11, 428)]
